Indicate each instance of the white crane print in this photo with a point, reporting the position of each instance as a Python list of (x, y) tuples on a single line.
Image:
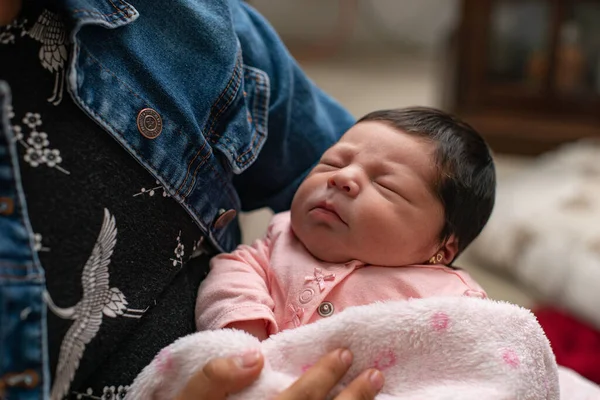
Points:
[(49, 29), (98, 299)]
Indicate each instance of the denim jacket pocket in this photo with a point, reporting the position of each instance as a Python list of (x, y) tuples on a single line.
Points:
[(241, 131)]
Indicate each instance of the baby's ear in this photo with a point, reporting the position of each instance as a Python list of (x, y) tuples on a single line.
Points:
[(449, 250)]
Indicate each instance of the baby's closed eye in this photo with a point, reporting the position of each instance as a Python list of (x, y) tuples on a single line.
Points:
[(332, 163)]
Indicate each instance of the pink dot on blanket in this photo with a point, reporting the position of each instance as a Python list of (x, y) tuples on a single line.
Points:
[(306, 367), (440, 321), (164, 362), (511, 358), (384, 360)]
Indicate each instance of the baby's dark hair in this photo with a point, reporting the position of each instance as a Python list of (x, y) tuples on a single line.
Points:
[(466, 178)]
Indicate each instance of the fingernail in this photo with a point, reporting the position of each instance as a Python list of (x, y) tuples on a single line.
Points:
[(346, 357), (249, 359), (376, 379)]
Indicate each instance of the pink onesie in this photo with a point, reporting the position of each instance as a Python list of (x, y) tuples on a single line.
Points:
[(277, 280)]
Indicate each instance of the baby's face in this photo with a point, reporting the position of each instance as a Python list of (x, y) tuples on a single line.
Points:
[(371, 198)]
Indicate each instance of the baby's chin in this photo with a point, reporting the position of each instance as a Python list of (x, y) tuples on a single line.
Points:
[(326, 255), (326, 249), (322, 247)]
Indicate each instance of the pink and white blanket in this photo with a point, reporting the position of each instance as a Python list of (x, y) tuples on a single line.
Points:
[(435, 348)]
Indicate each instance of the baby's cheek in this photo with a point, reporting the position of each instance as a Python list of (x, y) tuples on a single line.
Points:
[(382, 226)]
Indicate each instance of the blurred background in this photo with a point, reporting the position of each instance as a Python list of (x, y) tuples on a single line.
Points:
[(526, 75)]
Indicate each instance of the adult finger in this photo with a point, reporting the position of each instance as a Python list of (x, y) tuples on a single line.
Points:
[(364, 387), (317, 382), (223, 376)]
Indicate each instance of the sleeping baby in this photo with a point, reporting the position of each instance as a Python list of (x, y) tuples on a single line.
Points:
[(380, 217)]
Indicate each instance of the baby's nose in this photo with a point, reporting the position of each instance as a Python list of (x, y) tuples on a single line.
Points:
[(345, 182)]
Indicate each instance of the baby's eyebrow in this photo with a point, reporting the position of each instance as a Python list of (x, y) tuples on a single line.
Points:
[(341, 149), (341, 146)]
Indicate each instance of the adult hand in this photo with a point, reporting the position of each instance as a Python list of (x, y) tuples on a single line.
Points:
[(9, 10), (224, 376), (318, 381)]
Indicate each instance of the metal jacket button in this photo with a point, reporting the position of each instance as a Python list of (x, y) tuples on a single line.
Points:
[(7, 206), (27, 379), (149, 123), (224, 218)]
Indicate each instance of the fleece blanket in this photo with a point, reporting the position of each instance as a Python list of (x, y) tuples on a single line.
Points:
[(435, 348), (545, 229)]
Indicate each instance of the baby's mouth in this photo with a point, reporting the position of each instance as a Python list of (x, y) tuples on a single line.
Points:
[(328, 209)]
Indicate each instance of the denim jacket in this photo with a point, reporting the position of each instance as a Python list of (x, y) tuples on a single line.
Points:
[(201, 93)]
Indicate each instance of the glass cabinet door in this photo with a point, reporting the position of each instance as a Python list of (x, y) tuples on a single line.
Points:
[(577, 58), (519, 44)]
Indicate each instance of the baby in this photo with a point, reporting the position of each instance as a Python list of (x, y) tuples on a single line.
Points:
[(380, 217)]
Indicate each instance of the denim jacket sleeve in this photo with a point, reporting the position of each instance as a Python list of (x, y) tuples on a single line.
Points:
[(303, 121)]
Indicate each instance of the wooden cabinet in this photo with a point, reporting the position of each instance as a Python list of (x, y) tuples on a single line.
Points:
[(527, 74)]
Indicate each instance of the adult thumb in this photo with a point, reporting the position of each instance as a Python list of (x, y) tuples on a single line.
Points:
[(223, 376)]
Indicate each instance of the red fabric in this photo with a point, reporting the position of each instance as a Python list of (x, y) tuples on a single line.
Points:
[(575, 344)]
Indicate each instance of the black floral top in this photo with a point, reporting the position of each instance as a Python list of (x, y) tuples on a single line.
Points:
[(114, 245)]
